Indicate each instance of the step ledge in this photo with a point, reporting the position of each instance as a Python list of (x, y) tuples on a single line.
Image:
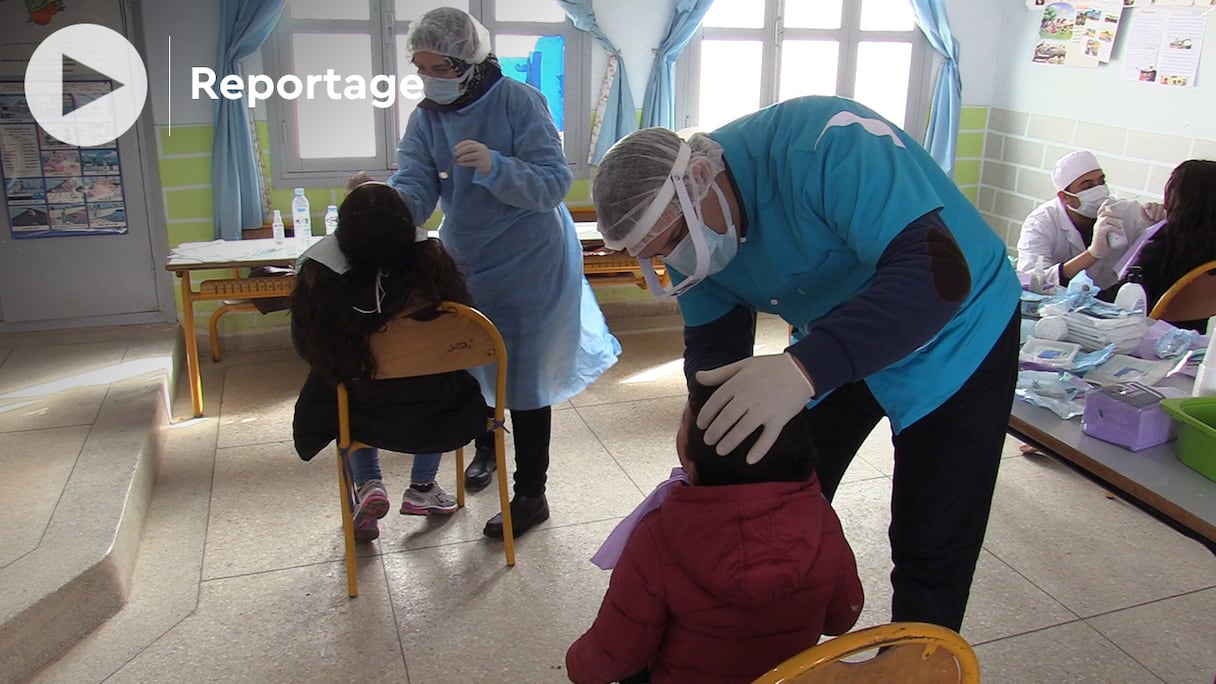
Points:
[(80, 574)]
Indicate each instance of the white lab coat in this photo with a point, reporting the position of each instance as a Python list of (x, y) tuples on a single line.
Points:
[(1049, 232)]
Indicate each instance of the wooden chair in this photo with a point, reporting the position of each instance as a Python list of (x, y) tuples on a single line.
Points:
[(913, 653), (1192, 298), (459, 339)]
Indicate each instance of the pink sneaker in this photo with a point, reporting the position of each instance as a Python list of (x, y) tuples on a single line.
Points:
[(373, 505), (434, 501)]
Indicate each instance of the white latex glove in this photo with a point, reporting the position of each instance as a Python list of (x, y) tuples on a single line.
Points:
[(1152, 212), (1109, 237), (762, 391), (473, 153)]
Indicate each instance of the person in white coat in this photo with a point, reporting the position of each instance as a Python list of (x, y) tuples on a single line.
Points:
[(1074, 231)]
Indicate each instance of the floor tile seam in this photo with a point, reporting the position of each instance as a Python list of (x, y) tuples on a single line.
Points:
[(59, 499), (392, 608), (593, 404), (459, 542), (48, 427), (620, 466), (1031, 582), (1124, 651), (141, 650), (1148, 602), (1015, 635)]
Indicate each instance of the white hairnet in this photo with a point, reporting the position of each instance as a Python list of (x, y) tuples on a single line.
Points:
[(634, 170), (449, 32)]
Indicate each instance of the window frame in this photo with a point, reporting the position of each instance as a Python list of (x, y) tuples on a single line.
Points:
[(849, 36), (289, 170)]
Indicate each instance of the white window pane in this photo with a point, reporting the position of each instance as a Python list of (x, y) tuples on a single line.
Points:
[(882, 78), (808, 67), (887, 15), (326, 127), (817, 14), (735, 14), (528, 10), (407, 10), (328, 9), (405, 105), (730, 80)]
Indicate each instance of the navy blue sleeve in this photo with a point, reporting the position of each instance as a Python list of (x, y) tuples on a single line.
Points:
[(719, 342), (919, 284)]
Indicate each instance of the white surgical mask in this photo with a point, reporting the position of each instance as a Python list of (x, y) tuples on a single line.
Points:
[(1091, 200), (445, 90)]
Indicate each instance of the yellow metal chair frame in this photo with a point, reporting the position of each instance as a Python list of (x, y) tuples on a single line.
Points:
[(1192, 298), (913, 653), (459, 339)]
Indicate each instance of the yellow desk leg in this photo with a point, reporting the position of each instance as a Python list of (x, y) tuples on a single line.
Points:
[(192, 372)]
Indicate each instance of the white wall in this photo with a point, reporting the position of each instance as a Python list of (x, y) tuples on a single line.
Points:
[(971, 21), (195, 29), (1097, 95), (636, 39)]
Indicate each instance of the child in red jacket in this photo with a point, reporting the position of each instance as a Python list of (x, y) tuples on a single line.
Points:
[(727, 577)]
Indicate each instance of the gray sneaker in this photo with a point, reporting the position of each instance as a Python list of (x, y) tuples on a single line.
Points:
[(434, 501)]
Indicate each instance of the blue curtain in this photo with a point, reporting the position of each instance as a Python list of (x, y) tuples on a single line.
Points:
[(942, 137), (236, 185), (616, 115), (658, 109)]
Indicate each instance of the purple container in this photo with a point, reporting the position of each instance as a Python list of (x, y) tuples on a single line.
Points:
[(1128, 414)]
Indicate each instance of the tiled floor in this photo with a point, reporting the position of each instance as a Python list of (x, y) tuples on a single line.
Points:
[(240, 579)]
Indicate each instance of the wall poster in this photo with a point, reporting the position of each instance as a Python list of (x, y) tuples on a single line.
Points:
[(54, 189)]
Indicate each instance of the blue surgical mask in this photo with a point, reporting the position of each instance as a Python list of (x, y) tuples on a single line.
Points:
[(722, 248), (444, 90)]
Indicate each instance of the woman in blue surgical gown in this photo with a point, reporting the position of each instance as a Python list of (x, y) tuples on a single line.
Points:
[(485, 148)]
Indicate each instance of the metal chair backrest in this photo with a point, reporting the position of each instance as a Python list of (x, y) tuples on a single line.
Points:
[(1192, 298), (912, 653)]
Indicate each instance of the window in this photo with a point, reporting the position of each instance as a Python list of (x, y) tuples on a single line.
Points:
[(750, 54), (320, 141)]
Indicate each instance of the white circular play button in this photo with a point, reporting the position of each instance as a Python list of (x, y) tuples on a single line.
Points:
[(106, 92)]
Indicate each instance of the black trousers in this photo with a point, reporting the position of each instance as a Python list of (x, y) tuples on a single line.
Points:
[(531, 430), (945, 472)]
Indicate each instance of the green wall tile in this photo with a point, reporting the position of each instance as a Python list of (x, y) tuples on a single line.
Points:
[(185, 171), (194, 231), (970, 145), (188, 204), (971, 192), (185, 139), (580, 193), (967, 172), (974, 118)]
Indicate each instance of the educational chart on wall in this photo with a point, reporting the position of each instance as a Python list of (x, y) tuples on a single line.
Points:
[(1164, 47), (54, 189), (1078, 33)]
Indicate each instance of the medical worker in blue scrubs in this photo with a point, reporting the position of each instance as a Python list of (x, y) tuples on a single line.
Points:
[(485, 148), (903, 303)]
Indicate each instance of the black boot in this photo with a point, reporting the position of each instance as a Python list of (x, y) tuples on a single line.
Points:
[(479, 473), (526, 513)]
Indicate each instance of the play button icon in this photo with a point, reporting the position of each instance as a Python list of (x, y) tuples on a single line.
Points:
[(104, 95)]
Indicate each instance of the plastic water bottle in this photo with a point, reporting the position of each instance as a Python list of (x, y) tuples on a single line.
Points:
[(301, 218), (331, 219), (276, 227), (1131, 295), (1039, 282)]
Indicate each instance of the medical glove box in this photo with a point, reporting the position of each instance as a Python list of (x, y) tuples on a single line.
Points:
[(1128, 414)]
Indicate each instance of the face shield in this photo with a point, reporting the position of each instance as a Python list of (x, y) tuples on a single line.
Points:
[(701, 253)]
